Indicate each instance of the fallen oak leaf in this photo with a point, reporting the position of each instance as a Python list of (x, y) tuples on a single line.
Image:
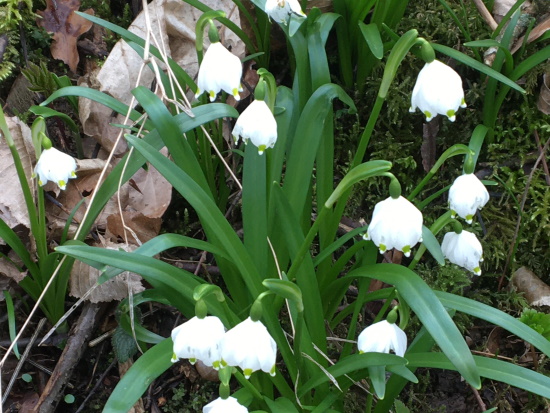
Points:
[(59, 18)]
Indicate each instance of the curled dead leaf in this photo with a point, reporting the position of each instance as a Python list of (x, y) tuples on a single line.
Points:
[(59, 18)]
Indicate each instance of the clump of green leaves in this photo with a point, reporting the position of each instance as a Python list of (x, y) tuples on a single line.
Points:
[(40, 79), (540, 322)]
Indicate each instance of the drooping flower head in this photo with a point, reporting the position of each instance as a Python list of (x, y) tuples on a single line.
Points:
[(466, 195), (396, 223), (229, 405), (220, 70), (249, 346), (438, 91), (258, 124), (199, 339), (55, 166), (463, 249), (280, 10), (382, 337)]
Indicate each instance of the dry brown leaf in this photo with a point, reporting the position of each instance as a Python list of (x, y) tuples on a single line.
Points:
[(173, 23), (96, 120), (536, 291), (151, 193), (13, 210), (135, 225), (84, 277), (59, 18)]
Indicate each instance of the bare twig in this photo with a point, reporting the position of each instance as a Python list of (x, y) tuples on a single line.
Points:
[(485, 14), (479, 399), (544, 163), (22, 361), (76, 345), (520, 212)]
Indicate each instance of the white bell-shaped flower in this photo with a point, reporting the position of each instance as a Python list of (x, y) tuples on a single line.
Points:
[(220, 70), (464, 250), (438, 90), (258, 124), (382, 337), (55, 166), (280, 10), (249, 346), (396, 223), (466, 195), (199, 339), (229, 405)]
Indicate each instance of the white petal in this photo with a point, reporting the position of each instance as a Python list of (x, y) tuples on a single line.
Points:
[(249, 345), (382, 337), (257, 124), (229, 405), (280, 10), (199, 339), (438, 90), (220, 70), (463, 249), (396, 223), (466, 195), (55, 166)]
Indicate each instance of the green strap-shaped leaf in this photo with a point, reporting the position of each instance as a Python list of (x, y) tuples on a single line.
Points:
[(423, 301), (351, 364), (137, 379), (492, 369), (495, 316), (467, 60), (306, 142), (372, 37)]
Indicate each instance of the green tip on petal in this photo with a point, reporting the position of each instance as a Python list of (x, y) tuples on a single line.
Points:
[(40, 183), (73, 174), (216, 365), (382, 248), (247, 373), (174, 358), (235, 92), (428, 115), (451, 115), (62, 184), (477, 271), (407, 250), (198, 93), (192, 361), (469, 218), (272, 372), (212, 95), (261, 149), (453, 214), (463, 103)]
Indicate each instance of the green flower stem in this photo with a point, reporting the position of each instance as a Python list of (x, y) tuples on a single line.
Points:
[(457, 149), (40, 236), (247, 385), (206, 18), (368, 404), (436, 227)]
